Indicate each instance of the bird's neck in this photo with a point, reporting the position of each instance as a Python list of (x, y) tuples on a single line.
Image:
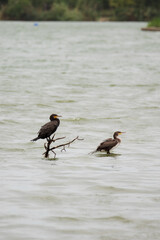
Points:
[(56, 120), (116, 138)]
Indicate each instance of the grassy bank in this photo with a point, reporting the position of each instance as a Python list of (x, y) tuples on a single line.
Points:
[(154, 23)]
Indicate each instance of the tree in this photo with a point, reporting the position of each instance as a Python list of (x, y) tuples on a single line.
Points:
[(43, 4), (19, 9), (3, 2)]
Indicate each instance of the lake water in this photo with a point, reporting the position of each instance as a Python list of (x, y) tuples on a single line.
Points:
[(101, 77)]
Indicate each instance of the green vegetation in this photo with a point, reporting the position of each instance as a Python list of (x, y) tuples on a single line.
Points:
[(154, 23), (19, 9), (79, 10)]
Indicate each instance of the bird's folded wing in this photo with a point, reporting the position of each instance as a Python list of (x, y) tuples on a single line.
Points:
[(108, 140), (109, 143), (48, 126)]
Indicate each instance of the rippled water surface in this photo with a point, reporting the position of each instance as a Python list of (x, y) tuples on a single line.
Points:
[(101, 77)]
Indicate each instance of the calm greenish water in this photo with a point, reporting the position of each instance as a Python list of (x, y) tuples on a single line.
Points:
[(101, 77)]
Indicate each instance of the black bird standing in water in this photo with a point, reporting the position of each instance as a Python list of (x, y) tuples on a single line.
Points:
[(49, 128), (109, 143)]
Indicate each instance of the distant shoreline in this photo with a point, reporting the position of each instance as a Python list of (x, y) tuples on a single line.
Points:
[(78, 10)]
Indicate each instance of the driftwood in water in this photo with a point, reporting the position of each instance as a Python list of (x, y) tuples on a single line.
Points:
[(48, 147), (151, 29)]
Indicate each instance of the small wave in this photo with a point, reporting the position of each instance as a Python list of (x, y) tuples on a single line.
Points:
[(111, 189), (65, 219), (42, 105), (77, 119), (10, 121), (65, 101), (118, 219), (13, 149), (8, 105)]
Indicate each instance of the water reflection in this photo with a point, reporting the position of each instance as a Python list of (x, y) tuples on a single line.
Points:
[(112, 155)]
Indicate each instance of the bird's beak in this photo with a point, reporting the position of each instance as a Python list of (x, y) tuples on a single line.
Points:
[(121, 133), (57, 116)]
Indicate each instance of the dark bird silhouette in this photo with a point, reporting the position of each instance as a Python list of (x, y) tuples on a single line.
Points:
[(109, 143), (49, 128)]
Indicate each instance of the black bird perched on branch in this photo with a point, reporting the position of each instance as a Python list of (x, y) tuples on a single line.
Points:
[(109, 143), (49, 128)]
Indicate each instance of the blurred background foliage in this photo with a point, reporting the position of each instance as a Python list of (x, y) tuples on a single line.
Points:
[(79, 10)]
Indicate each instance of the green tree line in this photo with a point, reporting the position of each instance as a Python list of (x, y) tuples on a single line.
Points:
[(79, 10)]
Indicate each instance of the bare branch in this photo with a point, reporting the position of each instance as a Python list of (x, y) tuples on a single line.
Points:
[(50, 140), (65, 144), (58, 139)]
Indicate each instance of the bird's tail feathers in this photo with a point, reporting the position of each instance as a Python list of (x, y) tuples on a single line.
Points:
[(35, 139), (93, 151)]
